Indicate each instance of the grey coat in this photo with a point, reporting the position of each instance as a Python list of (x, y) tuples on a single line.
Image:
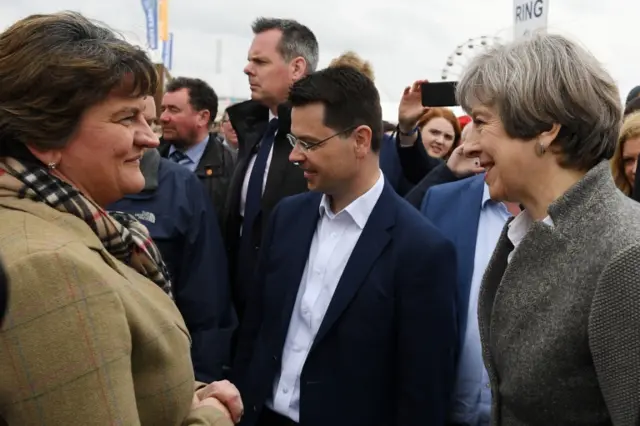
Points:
[(560, 325)]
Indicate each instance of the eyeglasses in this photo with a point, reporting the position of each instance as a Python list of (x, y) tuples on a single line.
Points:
[(310, 146)]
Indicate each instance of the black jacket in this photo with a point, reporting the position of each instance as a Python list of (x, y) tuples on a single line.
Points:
[(214, 171)]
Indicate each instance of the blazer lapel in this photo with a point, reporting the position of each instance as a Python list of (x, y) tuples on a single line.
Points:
[(280, 164), (469, 206), (304, 229), (374, 238), (277, 169), (251, 137), (491, 281)]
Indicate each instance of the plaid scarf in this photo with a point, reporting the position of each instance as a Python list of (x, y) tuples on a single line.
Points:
[(121, 234)]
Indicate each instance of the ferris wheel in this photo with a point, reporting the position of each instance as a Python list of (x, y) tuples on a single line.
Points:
[(459, 58)]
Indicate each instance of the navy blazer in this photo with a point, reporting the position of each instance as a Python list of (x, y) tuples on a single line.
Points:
[(455, 209), (384, 353)]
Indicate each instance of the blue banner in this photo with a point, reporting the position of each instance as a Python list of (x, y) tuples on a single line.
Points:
[(151, 14), (167, 52)]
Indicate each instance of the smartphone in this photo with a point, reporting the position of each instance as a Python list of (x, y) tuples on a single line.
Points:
[(440, 94)]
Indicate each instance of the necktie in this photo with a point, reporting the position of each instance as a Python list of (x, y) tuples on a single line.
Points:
[(256, 180), (178, 157), (251, 211)]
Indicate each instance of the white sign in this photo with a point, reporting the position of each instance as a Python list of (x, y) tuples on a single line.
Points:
[(529, 16)]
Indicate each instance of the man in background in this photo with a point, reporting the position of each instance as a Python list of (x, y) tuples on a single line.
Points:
[(189, 107), (282, 52)]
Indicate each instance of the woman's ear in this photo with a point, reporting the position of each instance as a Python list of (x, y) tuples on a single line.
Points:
[(50, 156), (546, 138)]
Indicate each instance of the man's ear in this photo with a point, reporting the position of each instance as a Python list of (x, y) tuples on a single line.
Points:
[(298, 68), (362, 136)]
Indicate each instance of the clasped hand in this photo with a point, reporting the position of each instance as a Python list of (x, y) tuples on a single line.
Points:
[(222, 395)]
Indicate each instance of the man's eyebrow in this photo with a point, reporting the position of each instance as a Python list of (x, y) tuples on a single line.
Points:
[(306, 138)]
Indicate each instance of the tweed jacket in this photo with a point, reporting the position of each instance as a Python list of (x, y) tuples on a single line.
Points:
[(87, 340), (560, 323)]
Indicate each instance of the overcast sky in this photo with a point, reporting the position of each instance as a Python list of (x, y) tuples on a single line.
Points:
[(404, 39)]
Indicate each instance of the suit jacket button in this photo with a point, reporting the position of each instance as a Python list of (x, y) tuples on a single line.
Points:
[(275, 357), (255, 408)]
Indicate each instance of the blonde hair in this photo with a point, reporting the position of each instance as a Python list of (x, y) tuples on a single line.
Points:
[(351, 59), (630, 129)]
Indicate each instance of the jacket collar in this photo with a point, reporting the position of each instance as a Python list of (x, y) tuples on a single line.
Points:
[(149, 166), (593, 192)]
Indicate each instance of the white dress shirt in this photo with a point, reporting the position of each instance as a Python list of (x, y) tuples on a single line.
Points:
[(333, 242), (247, 175), (519, 227)]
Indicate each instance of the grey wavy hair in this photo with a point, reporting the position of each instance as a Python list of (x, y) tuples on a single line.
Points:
[(546, 79), (297, 40)]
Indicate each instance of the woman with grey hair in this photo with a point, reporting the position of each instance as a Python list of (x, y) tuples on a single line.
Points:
[(559, 309)]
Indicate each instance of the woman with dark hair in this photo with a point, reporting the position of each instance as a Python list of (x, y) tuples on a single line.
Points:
[(92, 335)]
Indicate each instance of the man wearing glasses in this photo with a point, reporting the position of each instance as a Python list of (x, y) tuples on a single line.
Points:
[(353, 319)]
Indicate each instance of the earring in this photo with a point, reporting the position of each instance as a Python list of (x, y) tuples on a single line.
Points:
[(51, 166), (540, 149)]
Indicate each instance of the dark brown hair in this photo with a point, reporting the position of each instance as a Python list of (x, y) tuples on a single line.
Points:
[(53, 67), (201, 95)]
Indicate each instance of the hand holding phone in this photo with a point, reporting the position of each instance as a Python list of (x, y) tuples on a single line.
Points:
[(410, 109)]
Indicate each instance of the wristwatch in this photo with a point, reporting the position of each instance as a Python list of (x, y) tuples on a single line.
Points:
[(411, 133)]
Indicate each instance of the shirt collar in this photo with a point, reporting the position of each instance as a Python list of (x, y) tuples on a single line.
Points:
[(195, 152), (486, 195), (518, 227), (360, 209)]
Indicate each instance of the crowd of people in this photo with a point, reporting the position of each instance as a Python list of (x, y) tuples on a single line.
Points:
[(303, 262)]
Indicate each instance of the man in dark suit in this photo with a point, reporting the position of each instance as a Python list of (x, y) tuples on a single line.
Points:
[(189, 107), (353, 318), (282, 52)]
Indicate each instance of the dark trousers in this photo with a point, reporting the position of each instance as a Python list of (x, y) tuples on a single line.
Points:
[(270, 418)]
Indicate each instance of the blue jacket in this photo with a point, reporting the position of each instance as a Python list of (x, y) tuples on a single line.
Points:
[(384, 353), (182, 222), (455, 209), (404, 167)]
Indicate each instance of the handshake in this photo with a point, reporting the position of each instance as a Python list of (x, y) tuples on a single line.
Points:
[(223, 396)]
